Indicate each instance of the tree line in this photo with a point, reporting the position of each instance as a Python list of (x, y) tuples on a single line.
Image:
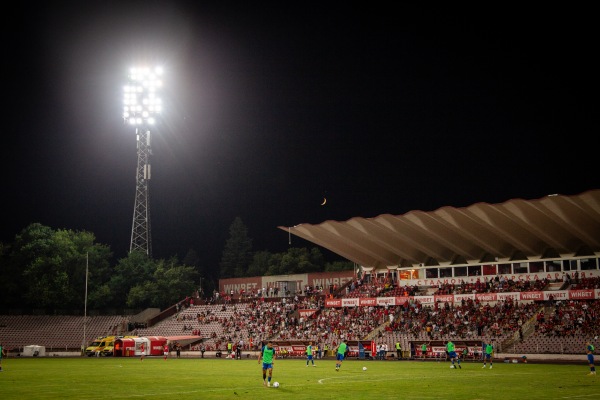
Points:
[(53, 269)]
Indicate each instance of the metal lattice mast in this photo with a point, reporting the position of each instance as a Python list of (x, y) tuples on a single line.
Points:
[(141, 234), (141, 105)]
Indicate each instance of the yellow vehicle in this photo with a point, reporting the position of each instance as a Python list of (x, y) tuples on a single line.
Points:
[(109, 345), (95, 349)]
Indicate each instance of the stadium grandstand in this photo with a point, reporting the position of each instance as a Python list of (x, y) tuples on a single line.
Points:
[(524, 275)]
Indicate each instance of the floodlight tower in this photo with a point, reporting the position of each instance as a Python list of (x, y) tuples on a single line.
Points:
[(141, 106)]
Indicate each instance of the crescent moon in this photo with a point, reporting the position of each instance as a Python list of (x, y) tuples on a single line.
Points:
[(324, 201)]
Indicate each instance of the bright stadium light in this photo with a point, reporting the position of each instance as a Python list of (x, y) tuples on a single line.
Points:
[(141, 108), (141, 103)]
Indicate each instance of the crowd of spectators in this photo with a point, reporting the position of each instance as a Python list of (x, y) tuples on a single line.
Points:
[(495, 285), (466, 320), (570, 318), (269, 317), (587, 283)]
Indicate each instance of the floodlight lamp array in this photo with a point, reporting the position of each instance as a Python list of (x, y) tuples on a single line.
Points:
[(141, 104)]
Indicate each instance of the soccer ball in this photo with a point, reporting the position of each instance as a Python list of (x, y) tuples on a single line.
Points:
[(275, 384), (364, 368)]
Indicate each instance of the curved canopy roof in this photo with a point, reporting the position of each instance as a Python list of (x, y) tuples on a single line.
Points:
[(554, 226)]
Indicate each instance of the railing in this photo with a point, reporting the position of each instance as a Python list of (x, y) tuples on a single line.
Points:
[(526, 329), (376, 331)]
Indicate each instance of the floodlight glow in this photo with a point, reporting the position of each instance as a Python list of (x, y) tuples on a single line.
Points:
[(141, 104)]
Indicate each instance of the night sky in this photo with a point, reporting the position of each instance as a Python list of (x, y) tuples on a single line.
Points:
[(269, 110)]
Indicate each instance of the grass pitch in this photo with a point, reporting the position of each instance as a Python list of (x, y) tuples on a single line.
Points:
[(193, 378)]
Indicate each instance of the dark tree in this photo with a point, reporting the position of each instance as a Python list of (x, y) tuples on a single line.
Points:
[(237, 254)]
